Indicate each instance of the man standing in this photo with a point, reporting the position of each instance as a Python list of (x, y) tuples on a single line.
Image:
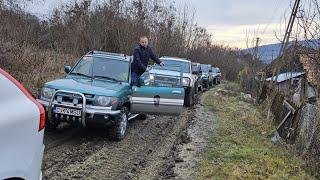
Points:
[(141, 55)]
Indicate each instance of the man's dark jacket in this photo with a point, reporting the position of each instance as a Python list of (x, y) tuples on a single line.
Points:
[(141, 56)]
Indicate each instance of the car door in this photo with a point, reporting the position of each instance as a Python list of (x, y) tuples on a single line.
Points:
[(163, 96)]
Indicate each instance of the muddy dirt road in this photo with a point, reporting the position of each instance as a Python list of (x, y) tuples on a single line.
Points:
[(147, 152)]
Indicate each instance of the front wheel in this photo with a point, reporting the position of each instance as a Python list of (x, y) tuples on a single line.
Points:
[(206, 85), (119, 130), (188, 99), (51, 125)]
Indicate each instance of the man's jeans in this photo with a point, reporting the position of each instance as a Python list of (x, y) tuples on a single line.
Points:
[(134, 78)]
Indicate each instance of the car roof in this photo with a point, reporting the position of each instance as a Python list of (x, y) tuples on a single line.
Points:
[(175, 59), (207, 64), (117, 56)]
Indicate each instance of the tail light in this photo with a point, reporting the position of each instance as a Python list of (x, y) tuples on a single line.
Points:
[(42, 123), (42, 119)]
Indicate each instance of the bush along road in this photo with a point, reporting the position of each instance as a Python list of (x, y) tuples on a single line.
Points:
[(222, 137)]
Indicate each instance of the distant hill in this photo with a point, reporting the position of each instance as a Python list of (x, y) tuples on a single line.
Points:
[(267, 53)]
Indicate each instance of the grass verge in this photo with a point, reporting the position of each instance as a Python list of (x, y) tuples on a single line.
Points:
[(241, 146)]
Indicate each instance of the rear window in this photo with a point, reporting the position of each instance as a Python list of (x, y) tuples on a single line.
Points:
[(205, 68)]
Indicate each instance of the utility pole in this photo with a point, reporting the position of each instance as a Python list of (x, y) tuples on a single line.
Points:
[(284, 45), (255, 53), (285, 42)]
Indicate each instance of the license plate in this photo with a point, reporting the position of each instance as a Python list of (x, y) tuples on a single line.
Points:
[(67, 111)]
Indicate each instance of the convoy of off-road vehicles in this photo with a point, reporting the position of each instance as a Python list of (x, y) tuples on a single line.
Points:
[(97, 91)]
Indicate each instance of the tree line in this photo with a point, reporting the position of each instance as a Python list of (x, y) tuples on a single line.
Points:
[(112, 25)]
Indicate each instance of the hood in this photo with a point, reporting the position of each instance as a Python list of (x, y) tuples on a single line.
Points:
[(170, 73), (88, 86), (165, 72)]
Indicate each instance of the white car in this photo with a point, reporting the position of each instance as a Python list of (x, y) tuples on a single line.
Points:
[(22, 123)]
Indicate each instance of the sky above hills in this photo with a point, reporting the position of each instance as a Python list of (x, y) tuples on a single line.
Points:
[(231, 22)]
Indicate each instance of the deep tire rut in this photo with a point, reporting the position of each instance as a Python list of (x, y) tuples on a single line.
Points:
[(145, 153)]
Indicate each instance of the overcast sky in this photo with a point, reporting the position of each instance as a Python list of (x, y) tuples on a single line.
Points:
[(229, 21)]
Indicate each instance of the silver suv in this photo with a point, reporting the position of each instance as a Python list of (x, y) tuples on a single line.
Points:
[(188, 81)]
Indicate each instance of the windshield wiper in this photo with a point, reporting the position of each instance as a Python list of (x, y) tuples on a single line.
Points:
[(81, 74), (108, 78)]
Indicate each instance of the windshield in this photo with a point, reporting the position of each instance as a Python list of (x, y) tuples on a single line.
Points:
[(215, 70), (173, 65), (205, 68), (102, 67), (194, 67)]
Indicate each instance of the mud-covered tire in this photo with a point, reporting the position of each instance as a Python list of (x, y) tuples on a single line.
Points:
[(196, 91), (206, 85), (188, 99), (118, 131), (142, 117), (200, 88), (211, 84), (51, 126)]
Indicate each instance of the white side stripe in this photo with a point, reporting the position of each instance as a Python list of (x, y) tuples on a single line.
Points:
[(163, 101)]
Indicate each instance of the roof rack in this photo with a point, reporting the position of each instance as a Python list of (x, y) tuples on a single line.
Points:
[(173, 57), (107, 53)]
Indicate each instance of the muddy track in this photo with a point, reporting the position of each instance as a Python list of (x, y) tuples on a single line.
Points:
[(79, 153)]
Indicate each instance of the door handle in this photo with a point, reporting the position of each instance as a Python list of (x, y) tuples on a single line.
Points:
[(176, 92)]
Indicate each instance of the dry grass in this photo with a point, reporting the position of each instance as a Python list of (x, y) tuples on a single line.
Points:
[(241, 144), (33, 66)]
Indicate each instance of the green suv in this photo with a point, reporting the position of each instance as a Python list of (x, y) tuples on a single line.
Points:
[(97, 93)]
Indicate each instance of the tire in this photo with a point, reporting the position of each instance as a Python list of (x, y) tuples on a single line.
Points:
[(188, 99), (201, 88), (211, 83), (51, 126), (118, 131), (206, 84), (196, 89), (142, 117)]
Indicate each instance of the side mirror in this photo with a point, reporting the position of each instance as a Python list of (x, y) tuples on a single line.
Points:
[(200, 71), (210, 70), (67, 69)]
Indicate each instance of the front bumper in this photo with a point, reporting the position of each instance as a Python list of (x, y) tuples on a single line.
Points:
[(88, 108), (89, 113)]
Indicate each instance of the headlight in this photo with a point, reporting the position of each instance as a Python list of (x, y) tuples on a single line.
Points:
[(105, 101), (47, 93), (151, 76), (186, 81)]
